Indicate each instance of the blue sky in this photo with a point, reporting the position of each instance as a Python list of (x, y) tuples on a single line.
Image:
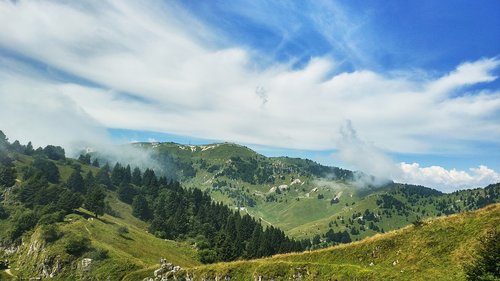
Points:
[(401, 89)]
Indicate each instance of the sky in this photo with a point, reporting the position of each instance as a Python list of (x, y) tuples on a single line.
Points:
[(407, 90)]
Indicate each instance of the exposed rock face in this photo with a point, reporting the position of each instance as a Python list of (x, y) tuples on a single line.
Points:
[(86, 264), (50, 267), (168, 271), (9, 249)]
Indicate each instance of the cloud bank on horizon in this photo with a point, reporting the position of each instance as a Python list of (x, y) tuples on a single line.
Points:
[(202, 72)]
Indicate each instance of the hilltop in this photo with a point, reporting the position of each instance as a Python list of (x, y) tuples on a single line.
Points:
[(305, 198)]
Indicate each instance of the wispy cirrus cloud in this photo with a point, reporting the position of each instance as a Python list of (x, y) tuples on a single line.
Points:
[(152, 66)]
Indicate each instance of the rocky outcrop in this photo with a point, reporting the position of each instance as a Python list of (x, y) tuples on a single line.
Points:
[(9, 249), (50, 267), (36, 261), (167, 272)]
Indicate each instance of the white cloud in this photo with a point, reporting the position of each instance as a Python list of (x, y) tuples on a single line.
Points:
[(34, 109), (447, 180), (184, 81), (366, 157)]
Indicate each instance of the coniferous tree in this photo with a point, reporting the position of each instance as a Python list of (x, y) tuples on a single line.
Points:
[(102, 176), (4, 141), (117, 174), (7, 170), (69, 201), (95, 163), (47, 168), (126, 193), (89, 180), (94, 201), (75, 181), (29, 149), (54, 152), (127, 175), (252, 248), (136, 176), (85, 159), (140, 208), (17, 147)]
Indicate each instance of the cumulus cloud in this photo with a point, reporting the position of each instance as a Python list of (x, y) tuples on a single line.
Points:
[(372, 161), (447, 180)]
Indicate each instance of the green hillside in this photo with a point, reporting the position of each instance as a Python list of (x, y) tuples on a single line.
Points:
[(130, 251), (305, 198), (438, 249), (56, 213), (64, 218), (119, 244)]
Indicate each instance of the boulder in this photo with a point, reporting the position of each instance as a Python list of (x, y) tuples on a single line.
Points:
[(86, 264)]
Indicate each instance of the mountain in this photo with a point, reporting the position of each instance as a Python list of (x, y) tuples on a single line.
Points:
[(305, 198), (77, 219), (437, 249), (72, 219)]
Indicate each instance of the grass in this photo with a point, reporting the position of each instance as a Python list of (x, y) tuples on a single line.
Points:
[(439, 249), (132, 254)]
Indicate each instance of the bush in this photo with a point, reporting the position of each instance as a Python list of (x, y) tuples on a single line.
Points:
[(418, 223), (22, 223), (98, 254), (76, 245), (52, 218), (122, 230), (207, 256), (50, 233), (485, 266), (3, 213)]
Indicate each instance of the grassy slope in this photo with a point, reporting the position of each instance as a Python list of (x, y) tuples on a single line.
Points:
[(131, 256), (438, 249), (297, 211)]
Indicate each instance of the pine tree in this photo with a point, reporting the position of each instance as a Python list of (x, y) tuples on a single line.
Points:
[(68, 201), (7, 170), (136, 176), (140, 208), (4, 141), (85, 159), (126, 192), (47, 168), (127, 175), (29, 149), (75, 181), (89, 180), (117, 174), (102, 176), (94, 201), (252, 249)]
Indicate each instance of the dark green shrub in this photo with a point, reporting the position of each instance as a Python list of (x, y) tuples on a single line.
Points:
[(98, 254), (486, 265), (76, 245), (50, 233)]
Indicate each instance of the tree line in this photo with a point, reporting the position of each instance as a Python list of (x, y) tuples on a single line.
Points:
[(173, 212)]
